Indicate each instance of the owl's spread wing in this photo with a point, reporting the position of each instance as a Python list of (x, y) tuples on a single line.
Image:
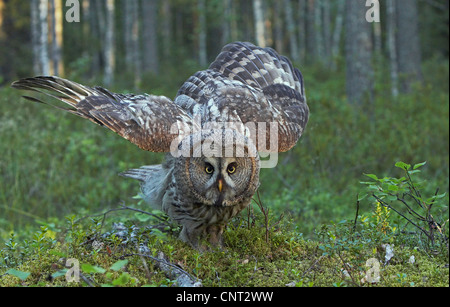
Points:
[(145, 120), (245, 84), (249, 84)]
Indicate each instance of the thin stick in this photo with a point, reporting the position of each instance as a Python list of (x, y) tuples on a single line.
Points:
[(357, 212)]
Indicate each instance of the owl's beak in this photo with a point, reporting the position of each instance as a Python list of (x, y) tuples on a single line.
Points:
[(220, 185)]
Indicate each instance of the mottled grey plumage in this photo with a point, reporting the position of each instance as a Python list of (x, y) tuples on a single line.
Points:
[(245, 84)]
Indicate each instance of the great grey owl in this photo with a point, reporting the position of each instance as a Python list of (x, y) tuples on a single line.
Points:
[(249, 100)]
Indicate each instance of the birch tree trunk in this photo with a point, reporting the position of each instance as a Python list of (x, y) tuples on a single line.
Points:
[(43, 66), (109, 55), (259, 23)]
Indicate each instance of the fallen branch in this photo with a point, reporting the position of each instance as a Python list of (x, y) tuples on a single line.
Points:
[(172, 271)]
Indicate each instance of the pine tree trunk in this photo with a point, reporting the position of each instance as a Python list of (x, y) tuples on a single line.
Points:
[(318, 33), (408, 44), (293, 45), (226, 23), (392, 46), (137, 63), (337, 33), (35, 30), (326, 31), (131, 40), (93, 15), (358, 53), (150, 36), (302, 29), (166, 29), (56, 9), (127, 33), (2, 32), (311, 50), (278, 26), (202, 54)]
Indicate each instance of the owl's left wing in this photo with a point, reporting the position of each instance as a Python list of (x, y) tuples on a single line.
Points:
[(150, 122)]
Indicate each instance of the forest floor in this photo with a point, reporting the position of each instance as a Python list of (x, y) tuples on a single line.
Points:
[(259, 251)]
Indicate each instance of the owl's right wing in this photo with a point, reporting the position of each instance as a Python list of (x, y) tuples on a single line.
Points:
[(150, 122)]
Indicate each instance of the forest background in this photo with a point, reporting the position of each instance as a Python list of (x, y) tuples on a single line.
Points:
[(378, 94)]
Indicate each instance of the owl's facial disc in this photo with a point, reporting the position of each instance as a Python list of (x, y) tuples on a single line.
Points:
[(222, 181), (219, 186)]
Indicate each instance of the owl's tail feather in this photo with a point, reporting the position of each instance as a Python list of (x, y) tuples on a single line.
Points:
[(143, 173), (154, 180)]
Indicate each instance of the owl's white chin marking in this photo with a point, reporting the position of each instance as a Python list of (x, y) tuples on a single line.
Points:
[(219, 201)]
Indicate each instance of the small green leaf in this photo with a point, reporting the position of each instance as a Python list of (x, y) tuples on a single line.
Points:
[(56, 253), (393, 187), (122, 280), (157, 212), (419, 165), (391, 197), (385, 179), (361, 197), (87, 268), (366, 182), (118, 265), (374, 177), (59, 273), (139, 196), (141, 217), (19, 274), (434, 197), (441, 195), (403, 165)]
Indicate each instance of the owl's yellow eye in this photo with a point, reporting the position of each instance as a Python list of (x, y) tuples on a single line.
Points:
[(209, 169), (231, 169)]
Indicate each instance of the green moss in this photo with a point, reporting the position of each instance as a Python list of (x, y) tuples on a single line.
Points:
[(245, 260)]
